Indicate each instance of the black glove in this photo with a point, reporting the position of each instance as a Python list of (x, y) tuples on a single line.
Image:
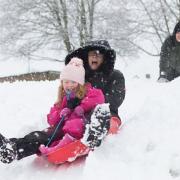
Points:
[(73, 102)]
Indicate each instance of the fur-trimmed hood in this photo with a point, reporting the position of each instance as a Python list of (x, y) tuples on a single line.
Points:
[(101, 45), (173, 36), (176, 28)]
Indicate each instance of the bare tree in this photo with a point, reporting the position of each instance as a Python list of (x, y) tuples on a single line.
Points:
[(85, 19), (155, 21), (113, 22), (27, 26)]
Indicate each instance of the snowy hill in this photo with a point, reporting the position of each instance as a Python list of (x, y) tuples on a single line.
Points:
[(147, 146)]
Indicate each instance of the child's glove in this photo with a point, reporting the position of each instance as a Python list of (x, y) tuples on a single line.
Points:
[(65, 112), (79, 111)]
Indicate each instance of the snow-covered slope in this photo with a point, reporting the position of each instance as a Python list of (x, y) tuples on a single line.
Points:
[(147, 146)]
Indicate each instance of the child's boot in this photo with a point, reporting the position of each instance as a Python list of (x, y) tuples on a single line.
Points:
[(7, 150)]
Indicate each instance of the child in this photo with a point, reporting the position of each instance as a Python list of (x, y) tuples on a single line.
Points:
[(75, 102), (82, 99)]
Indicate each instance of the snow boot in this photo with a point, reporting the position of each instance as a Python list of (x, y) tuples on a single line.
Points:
[(7, 150), (98, 128)]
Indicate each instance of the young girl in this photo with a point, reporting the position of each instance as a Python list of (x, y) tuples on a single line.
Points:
[(75, 102)]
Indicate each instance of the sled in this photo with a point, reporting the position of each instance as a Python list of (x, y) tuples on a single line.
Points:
[(76, 149), (68, 153)]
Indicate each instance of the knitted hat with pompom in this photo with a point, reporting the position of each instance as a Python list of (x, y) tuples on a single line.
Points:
[(74, 71)]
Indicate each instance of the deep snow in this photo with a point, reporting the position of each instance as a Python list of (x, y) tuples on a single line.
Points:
[(147, 146)]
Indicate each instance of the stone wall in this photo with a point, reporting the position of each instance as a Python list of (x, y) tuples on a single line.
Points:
[(35, 76)]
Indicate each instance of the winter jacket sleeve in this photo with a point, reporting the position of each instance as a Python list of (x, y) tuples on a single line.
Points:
[(115, 93), (165, 55), (53, 117), (93, 97)]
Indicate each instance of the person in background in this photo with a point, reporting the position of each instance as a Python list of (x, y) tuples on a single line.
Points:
[(170, 56)]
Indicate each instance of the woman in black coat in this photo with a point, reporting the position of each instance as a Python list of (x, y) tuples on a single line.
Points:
[(99, 59)]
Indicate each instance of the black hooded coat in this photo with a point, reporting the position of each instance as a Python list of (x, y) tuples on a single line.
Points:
[(109, 80), (170, 56)]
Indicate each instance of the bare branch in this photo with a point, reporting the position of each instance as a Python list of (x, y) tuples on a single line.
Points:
[(151, 19), (141, 48), (165, 17), (171, 10)]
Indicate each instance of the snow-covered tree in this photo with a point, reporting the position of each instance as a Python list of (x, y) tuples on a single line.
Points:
[(27, 25)]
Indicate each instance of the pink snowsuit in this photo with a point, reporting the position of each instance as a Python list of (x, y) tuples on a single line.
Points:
[(75, 125)]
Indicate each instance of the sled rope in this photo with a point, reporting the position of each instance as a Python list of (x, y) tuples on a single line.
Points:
[(54, 133), (68, 93)]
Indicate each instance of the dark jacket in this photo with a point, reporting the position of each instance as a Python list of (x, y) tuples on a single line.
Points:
[(170, 56), (110, 81)]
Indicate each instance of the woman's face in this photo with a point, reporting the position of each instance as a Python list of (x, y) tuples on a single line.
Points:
[(69, 85), (95, 59), (178, 36)]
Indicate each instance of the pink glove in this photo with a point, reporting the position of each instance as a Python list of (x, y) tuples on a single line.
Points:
[(65, 112), (79, 111)]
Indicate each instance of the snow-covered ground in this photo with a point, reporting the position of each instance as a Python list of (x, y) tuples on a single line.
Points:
[(147, 146)]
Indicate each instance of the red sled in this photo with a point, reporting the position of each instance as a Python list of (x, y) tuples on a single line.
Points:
[(68, 153), (76, 149)]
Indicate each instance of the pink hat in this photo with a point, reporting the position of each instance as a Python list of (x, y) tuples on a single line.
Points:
[(74, 71)]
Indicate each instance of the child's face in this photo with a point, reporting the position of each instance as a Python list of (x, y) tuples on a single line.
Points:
[(70, 85)]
